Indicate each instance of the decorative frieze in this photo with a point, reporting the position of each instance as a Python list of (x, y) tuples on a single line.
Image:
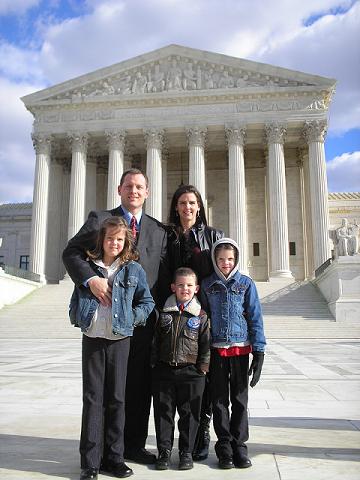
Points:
[(176, 74)]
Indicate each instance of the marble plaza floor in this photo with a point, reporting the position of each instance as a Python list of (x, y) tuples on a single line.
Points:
[(304, 413)]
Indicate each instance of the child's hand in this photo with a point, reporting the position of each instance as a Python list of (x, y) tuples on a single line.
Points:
[(256, 367), (101, 289)]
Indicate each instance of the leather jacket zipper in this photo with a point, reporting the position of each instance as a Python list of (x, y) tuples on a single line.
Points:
[(176, 340)]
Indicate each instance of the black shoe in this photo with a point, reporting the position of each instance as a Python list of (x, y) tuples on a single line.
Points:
[(141, 455), (202, 443), (89, 473), (186, 462), (163, 460), (241, 460), (226, 462), (119, 470)]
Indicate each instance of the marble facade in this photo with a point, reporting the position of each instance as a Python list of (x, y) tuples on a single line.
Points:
[(249, 136)]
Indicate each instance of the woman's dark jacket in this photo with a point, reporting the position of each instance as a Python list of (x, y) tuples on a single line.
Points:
[(179, 251)]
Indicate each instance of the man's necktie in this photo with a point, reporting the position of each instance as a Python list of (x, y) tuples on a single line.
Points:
[(133, 227), (181, 307)]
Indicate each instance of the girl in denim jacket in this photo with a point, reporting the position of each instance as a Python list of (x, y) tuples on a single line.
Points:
[(231, 300), (105, 347)]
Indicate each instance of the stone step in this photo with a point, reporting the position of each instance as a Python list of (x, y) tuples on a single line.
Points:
[(294, 310)]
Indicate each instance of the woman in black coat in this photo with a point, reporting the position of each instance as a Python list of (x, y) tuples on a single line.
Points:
[(189, 245)]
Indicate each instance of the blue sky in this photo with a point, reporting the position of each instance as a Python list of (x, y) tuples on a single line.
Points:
[(46, 42)]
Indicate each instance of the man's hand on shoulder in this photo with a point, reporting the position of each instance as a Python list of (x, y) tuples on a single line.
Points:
[(101, 289)]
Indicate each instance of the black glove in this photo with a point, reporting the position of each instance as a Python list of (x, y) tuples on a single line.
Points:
[(256, 367)]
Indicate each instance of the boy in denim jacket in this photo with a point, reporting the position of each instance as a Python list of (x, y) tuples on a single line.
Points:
[(232, 301)]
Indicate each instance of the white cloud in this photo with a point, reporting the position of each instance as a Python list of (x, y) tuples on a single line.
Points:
[(344, 173), (17, 156), (112, 31), (16, 6), (19, 63), (328, 47)]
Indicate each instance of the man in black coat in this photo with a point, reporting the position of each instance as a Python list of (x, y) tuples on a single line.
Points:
[(151, 244)]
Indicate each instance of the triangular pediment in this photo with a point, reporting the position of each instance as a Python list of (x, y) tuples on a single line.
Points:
[(175, 69)]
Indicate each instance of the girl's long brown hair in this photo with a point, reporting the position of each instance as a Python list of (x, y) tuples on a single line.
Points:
[(129, 251)]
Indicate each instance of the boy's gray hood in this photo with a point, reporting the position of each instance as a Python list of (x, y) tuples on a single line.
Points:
[(236, 267)]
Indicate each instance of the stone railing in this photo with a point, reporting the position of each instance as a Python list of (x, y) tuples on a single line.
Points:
[(21, 273), (323, 267)]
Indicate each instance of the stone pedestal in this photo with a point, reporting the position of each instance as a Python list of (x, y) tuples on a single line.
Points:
[(340, 285)]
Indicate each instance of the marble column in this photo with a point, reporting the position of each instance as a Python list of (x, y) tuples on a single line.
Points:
[(154, 139), (165, 158), (235, 136), (42, 145), (64, 212), (91, 184), (52, 264), (303, 163), (278, 219), (116, 142), (315, 132), (77, 182), (196, 140)]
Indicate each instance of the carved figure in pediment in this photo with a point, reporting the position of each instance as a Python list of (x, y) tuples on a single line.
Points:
[(139, 83), (209, 79), (190, 78), (240, 82), (173, 80), (157, 82), (226, 80), (125, 85)]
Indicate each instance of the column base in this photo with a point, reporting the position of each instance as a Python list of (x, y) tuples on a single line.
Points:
[(281, 274), (42, 278)]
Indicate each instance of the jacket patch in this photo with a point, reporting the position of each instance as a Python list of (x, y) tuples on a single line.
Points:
[(165, 320), (193, 322)]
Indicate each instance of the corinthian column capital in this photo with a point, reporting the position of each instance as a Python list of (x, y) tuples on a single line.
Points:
[(235, 134), (315, 130), (79, 141), (115, 139), (196, 136), (154, 137), (275, 133), (42, 143)]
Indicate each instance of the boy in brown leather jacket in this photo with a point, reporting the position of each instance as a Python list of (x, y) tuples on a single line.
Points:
[(181, 358)]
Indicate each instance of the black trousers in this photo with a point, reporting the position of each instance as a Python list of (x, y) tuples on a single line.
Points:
[(229, 384), (138, 387), (104, 366), (178, 388)]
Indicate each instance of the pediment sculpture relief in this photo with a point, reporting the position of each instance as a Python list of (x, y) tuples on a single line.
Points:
[(176, 74)]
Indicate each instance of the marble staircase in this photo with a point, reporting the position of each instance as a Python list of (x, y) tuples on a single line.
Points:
[(295, 310)]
